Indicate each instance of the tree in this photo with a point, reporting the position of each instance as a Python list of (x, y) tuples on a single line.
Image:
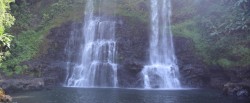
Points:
[(6, 21)]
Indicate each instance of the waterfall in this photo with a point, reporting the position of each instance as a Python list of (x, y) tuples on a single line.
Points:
[(162, 70), (94, 48)]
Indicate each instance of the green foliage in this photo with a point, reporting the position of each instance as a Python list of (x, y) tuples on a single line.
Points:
[(219, 29), (133, 8), (227, 23), (227, 17), (6, 21), (26, 46), (24, 18), (33, 23), (187, 29), (224, 63)]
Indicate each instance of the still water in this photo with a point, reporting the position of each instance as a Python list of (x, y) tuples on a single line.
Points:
[(111, 95)]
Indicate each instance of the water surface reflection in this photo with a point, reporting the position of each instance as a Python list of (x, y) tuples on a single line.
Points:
[(113, 95)]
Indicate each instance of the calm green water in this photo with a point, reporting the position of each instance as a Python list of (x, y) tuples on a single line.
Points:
[(109, 95)]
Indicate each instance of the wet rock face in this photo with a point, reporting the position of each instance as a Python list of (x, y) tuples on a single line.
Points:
[(13, 85), (50, 66), (219, 76), (47, 70), (132, 50), (132, 38), (132, 45), (193, 73), (195, 76), (185, 51), (129, 78)]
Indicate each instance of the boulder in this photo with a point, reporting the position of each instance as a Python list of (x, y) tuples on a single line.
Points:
[(236, 89), (3, 97)]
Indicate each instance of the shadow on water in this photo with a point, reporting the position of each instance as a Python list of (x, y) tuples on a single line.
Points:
[(115, 95)]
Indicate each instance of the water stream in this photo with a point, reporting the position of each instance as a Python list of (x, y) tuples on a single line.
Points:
[(162, 70), (95, 65)]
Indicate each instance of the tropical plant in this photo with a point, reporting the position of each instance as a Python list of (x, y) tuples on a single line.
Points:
[(6, 21)]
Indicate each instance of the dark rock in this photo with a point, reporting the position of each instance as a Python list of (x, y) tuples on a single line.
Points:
[(218, 77), (194, 76), (52, 63), (5, 99), (194, 72), (242, 93), (133, 66), (49, 68), (132, 48), (185, 52), (236, 89), (14, 85), (129, 78), (131, 37), (143, 6)]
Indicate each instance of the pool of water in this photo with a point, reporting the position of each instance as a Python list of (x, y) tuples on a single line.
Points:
[(113, 95)]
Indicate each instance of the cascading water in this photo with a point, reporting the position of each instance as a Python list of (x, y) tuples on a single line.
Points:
[(162, 72), (95, 64)]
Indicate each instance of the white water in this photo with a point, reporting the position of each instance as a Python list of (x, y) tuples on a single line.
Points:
[(162, 71), (95, 65)]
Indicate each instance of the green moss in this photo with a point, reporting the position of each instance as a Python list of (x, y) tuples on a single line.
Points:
[(189, 29), (131, 9), (25, 48), (203, 26), (225, 63), (241, 54), (225, 51)]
